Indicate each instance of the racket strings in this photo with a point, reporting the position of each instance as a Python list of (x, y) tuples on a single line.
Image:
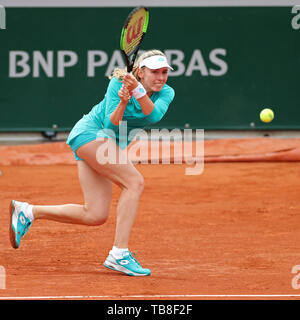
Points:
[(128, 48), (133, 33), (135, 30)]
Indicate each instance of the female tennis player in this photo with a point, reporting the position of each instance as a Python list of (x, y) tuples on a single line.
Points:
[(140, 98)]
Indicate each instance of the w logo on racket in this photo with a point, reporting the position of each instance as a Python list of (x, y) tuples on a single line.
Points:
[(134, 30)]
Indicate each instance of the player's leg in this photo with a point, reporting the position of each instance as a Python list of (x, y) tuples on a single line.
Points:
[(97, 196), (124, 175), (132, 184)]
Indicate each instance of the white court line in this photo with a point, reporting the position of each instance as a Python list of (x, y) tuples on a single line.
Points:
[(155, 296)]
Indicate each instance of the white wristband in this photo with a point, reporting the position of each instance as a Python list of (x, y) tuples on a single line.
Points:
[(139, 91)]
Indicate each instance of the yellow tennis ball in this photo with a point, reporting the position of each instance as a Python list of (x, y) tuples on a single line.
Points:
[(266, 115)]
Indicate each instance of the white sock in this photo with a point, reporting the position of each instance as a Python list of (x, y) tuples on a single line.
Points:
[(118, 252), (29, 212)]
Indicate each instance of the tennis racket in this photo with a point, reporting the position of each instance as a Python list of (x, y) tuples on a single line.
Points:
[(133, 34)]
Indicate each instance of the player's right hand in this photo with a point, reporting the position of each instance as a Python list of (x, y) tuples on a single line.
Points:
[(130, 81)]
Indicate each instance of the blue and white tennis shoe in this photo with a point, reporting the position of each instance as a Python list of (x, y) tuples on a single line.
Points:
[(19, 222), (127, 264)]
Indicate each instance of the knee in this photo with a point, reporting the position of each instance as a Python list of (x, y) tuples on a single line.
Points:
[(94, 217), (137, 184)]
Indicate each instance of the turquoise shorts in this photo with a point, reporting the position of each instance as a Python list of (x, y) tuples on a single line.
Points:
[(84, 131), (79, 141)]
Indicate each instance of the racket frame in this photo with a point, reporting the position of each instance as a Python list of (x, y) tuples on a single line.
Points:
[(134, 52)]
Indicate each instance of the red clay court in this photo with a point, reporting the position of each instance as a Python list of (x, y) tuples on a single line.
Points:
[(230, 233)]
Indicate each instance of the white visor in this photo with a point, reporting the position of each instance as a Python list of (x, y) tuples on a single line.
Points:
[(155, 62)]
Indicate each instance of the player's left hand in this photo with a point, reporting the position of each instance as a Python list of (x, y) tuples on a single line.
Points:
[(130, 82), (125, 94)]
